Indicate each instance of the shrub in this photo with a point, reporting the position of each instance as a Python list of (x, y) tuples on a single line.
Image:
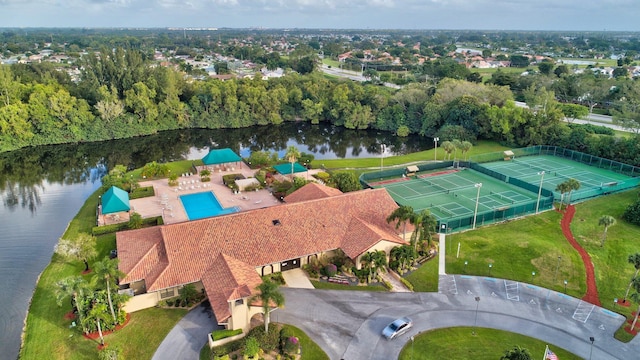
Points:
[(251, 347), (135, 221), (142, 192), (227, 348), (223, 334), (407, 283), (632, 213), (291, 345), (323, 176), (330, 270), (311, 269), (269, 341)]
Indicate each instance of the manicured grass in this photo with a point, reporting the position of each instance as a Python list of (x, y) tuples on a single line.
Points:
[(427, 155), (613, 271), (459, 343), (331, 286), (331, 62), (517, 248), (425, 279), (48, 334), (487, 73)]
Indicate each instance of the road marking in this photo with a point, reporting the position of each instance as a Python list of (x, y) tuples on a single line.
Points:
[(583, 311), (511, 289)]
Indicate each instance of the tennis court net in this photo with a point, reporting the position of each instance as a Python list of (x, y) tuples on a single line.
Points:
[(531, 166)]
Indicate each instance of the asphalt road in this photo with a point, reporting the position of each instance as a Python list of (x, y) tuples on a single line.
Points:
[(347, 324)]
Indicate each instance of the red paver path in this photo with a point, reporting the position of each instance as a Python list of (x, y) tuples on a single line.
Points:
[(592, 291)]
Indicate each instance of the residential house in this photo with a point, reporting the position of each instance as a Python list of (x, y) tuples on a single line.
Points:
[(225, 256)]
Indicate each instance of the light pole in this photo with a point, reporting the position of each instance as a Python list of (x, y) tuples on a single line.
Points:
[(533, 274), (565, 286), (555, 277), (465, 266), (541, 173), (383, 149), (475, 322), (592, 339), (490, 267), (475, 213), (435, 149)]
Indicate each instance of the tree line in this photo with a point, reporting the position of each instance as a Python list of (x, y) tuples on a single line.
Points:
[(121, 94)]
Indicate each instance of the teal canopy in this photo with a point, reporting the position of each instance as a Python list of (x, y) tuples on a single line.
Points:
[(220, 156), (115, 200), (285, 169)]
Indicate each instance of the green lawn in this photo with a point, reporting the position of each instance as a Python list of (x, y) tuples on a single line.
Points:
[(425, 279), (459, 343), (48, 334), (331, 286), (331, 62), (427, 155)]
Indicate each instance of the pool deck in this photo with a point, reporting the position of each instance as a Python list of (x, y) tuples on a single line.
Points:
[(166, 202)]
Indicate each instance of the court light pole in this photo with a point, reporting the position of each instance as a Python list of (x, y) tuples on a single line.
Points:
[(475, 322), (533, 274), (412, 339), (383, 149), (475, 213), (592, 339), (565, 286), (435, 149), (541, 173)]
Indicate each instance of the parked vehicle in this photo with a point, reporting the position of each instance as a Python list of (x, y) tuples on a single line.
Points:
[(397, 328)]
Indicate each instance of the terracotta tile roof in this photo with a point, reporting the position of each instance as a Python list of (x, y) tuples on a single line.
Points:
[(311, 191), (229, 279), (255, 238), (359, 236)]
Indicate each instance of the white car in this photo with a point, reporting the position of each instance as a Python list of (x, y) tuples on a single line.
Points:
[(396, 328)]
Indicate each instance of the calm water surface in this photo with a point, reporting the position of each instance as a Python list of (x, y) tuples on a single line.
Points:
[(43, 188)]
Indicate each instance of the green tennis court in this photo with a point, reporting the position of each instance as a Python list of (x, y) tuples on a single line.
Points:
[(451, 196), (552, 170)]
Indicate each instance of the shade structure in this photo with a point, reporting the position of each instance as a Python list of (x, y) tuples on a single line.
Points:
[(220, 156), (285, 169), (115, 200)]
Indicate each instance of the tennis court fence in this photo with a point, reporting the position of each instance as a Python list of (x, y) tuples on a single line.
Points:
[(396, 172)]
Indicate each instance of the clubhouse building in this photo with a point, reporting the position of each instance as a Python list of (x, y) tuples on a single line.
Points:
[(225, 256)]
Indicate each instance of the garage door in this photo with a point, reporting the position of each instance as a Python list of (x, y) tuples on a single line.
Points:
[(290, 264)]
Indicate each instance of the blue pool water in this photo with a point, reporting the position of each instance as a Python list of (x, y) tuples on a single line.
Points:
[(203, 205)]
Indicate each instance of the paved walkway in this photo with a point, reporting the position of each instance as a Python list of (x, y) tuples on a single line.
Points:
[(396, 285), (296, 278), (186, 339)]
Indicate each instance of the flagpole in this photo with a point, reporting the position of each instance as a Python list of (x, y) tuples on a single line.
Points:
[(545, 352)]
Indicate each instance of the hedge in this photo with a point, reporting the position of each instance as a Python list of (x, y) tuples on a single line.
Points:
[(142, 192), (223, 334), (108, 229)]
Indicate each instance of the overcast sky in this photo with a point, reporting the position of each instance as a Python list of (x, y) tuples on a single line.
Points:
[(596, 15)]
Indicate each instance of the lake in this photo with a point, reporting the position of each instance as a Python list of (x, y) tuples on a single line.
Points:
[(42, 189)]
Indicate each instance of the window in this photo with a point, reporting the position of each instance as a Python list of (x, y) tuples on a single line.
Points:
[(239, 301), (167, 293)]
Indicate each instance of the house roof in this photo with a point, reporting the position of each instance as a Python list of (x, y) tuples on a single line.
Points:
[(115, 200), (220, 156), (285, 169), (312, 191), (182, 253)]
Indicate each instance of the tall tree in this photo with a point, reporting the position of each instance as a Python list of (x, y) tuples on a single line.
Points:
[(401, 215), (563, 188), (107, 271), (634, 259), (81, 249), (573, 185), (98, 313), (606, 221), (636, 297), (292, 156), (77, 289), (269, 293), (425, 225), (448, 147), (465, 147)]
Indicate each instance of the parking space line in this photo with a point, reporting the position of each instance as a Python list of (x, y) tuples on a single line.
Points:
[(511, 290), (583, 311)]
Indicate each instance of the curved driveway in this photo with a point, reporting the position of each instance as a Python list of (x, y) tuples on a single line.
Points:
[(347, 324)]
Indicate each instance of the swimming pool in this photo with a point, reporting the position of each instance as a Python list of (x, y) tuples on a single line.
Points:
[(203, 205)]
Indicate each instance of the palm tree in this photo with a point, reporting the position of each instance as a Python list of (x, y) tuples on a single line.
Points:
[(448, 148), (465, 147), (425, 224), (636, 297), (606, 221), (573, 185), (379, 261), (457, 144), (517, 353), (635, 260), (292, 155), (367, 260), (269, 293), (107, 270), (402, 214), (563, 188), (76, 288), (98, 313)]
